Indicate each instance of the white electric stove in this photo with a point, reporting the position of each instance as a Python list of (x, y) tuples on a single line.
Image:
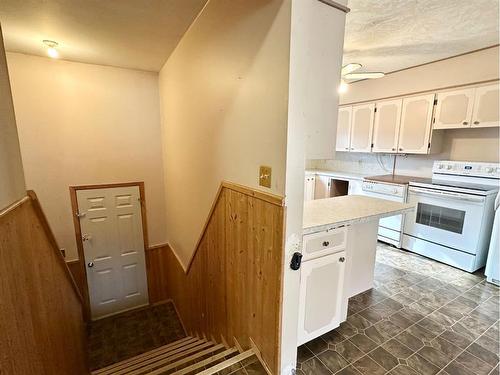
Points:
[(454, 212)]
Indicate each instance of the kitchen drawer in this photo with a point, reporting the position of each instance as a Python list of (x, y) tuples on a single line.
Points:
[(324, 243)]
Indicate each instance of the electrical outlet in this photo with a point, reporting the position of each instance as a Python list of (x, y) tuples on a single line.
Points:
[(265, 176)]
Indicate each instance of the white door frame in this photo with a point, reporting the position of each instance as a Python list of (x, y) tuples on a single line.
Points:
[(78, 234)]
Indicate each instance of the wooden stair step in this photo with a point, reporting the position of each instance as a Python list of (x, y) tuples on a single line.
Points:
[(206, 362), (144, 356), (172, 366), (227, 363), (165, 359)]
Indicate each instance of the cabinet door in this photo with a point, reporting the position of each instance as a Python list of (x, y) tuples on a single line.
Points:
[(386, 128), (485, 113), (454, 109), (309, 188), (362, 127), (322, 187), (416, 124), (344, 129), (321, 296)]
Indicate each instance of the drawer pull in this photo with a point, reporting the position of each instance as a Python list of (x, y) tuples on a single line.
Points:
[(326, 243), (341, 259)]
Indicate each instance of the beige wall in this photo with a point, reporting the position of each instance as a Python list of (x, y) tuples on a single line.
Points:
[(12, 186), (87, 124), (460, 144), (224, 95)]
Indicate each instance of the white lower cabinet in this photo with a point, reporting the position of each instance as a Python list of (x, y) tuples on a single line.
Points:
[(309, 187), (321, 295)]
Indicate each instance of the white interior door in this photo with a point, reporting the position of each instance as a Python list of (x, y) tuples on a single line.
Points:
[(486, 107), (344, 129), (454, 109), (416, 124), (113, 244), (386, 127), (362, 127)]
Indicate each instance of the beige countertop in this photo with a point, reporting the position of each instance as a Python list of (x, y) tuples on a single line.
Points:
[(323, 214)]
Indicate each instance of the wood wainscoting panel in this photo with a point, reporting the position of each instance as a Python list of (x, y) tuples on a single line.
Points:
[(41, 320), (232, 288), (156, 269)]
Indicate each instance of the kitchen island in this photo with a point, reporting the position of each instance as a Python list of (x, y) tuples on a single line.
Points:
[(338, 257)]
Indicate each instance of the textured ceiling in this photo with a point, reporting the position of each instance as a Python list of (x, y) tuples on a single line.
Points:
[(388, 35), (139, 34)]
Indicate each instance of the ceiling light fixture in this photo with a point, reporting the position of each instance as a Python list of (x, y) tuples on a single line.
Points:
[(51, 48), (343, 87)]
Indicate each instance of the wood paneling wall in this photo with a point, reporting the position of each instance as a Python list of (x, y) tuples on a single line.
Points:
[(233, 285), (157, 268), (41, 323)]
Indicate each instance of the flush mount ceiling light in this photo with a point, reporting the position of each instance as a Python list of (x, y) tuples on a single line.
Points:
[(51, 48), (349, 69)]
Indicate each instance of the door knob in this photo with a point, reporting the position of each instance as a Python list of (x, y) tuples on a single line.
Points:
[(326, 243), (86, 237), (476, 122), (341, 259), (465, 123), (90, 264)]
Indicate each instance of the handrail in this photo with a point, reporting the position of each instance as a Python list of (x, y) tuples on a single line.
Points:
[(52, 239)]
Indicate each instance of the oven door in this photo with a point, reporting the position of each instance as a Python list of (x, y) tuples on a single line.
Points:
[(445, 218)]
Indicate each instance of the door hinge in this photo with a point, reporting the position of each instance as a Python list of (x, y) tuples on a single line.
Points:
[(375, 109), (373, 144), (429, 145), (435, 101)]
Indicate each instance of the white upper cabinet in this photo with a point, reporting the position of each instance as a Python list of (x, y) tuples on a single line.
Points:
[(454, 109), (386, 128), (344, 129), (486, 106), (362, 127), (416, 124)]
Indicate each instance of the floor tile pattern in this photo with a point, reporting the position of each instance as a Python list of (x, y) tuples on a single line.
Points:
[(126, 335), (422, 317)]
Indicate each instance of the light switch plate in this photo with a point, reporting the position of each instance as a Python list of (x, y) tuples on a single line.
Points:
[(265, 176)]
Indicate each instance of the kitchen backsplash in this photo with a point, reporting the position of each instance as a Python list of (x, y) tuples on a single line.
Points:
[(377, 164)]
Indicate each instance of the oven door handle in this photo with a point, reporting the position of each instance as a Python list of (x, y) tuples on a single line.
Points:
[(447, 194)]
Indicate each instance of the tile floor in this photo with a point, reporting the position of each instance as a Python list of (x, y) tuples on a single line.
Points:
[(422, 317), (123, 336)]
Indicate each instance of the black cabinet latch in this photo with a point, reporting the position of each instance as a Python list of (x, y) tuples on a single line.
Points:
[(296, 261)]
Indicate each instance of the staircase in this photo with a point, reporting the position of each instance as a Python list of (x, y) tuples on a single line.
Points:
[(187, 356)]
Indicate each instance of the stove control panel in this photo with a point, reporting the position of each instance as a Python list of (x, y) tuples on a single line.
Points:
[(463, 168), (384, 188)]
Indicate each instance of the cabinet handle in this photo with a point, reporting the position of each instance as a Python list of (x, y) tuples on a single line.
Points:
[(326, 243), (347, 148), (393, 149), (400, 149), (465, 123), (476, 122), (341, 259)]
